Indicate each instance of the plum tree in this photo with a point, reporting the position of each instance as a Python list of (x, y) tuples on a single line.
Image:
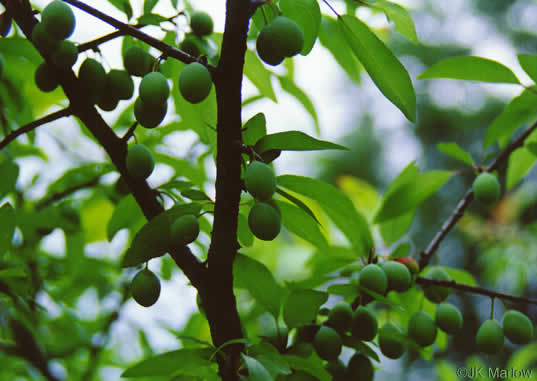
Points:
[(92, 78), (45, 78), (65, 54), (398, 276), (137, 61), (279, 39), (489, 337), (140, 161), (360, 368), (410, 264), (184, 230), (195, 82), (389, 345), (154, 90), (373, 278), (327, 343), (364, 324), (422, 329), (486, 188), (58, 19), (149, 117), (120, 84), (340, 317), (259, 180), (145, 288), (517, 327), (264, 221), (201, 23), (277, 337), (437, 294), (448, 318), (43, 41)]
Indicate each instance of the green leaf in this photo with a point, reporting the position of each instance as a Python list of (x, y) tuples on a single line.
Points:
[(169, 363), (529, 64), (10, 173), (520, 162), (13, 272), (297, 202), (151, 19), (353, 342), (400, 17), (179, 185), (152, 240), (256, 370), (456, 152), (244, 234), (312, 365), (300, 223), (293, 141), (307, 14), (254, 129), (126, 214), (302, 306), (124, 6), (395, 228), (337, 206), (195, 194), (256, 72), (520, 110), (470, 68), (149, 5), (7, 227), (289, 86), (332, 38), (78, 177), (400, 251), (461, 276), (408, 196), (385, 70), (259, 281)]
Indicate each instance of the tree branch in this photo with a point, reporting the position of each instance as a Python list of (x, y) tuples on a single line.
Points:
[(476, 290), (33, 125), (58, 196), (468, 197)]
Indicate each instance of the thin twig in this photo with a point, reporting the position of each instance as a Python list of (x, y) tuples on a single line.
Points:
[(468, 197), (33, 125), (475, 290), (58, 196), (130, 132)]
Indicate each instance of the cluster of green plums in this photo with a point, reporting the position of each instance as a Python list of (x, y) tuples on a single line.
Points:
[(279, 39), (264, 218), (201, 25), (516, 326), (486, 188), (140, 162)]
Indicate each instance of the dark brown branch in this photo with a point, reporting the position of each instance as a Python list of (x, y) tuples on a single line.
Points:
[(58, 196), (475, 290), (468, 197), (94, 44), (33, 125)]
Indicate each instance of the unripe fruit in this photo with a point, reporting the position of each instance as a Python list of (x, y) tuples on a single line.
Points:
[(184, 230), (195, 82), (421, 329), (58, 19), (398, 276), (107, 101), (486, 188), (259, 180), (92, 79), (291, 37), (517, 327), (360, 368), (264, 221), (42, 40), (45, 78), (65, 54), (301, 349), (340, 317), (154, 89), (437, 294), (147, 116), (448, 318), (337, 369), (410, 264), (120, 84), (277, 338), (201, 23), (390, 346), (489, 337), (189, 45), (137, 61), (266, 46), (373, 278), (307, 332), (140, 162), (327, 343), (364, 324), (145, 288)]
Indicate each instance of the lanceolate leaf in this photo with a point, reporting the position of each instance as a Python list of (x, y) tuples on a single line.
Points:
[(126, 214), (7, 227), (456, 152), (385, 70), (529, 64), (400, 17), (256, 370), (124, 6), (149, 5), (254, 129), (300, 223), (302, 306), (256, 72), (520, 162), (152, 240), (470, 68), (297, 202), (289, 86), (307, 14), (293, 141)]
